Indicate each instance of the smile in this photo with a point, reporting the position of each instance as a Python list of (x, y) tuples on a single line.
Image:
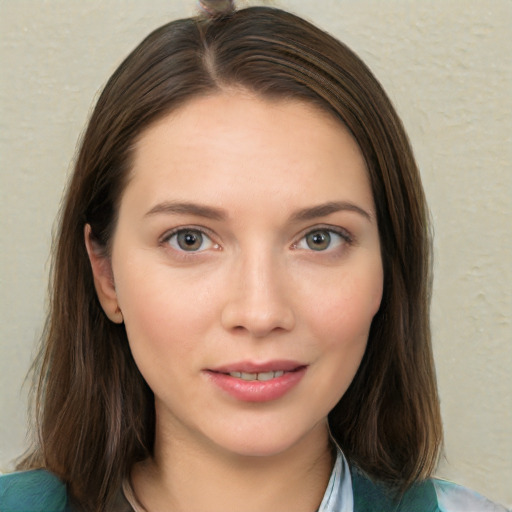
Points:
[(249, 382), (263, 376)]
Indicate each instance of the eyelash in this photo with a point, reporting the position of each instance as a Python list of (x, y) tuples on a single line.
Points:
[(345, 236), (167, 237)]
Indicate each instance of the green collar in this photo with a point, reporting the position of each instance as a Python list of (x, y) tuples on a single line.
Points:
[(370, 496)]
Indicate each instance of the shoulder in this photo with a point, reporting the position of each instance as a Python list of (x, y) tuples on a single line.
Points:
[(34, 491), (432, 495), (456, 498)]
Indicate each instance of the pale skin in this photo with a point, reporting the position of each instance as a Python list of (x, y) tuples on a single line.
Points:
[(282, 263)]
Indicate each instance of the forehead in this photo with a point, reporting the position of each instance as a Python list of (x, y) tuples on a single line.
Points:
[(213, 144)]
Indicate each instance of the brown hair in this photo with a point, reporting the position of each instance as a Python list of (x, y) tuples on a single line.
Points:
[(95, 411)]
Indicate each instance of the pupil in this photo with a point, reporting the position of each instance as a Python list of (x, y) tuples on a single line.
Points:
[(190, 240), (319, 240)]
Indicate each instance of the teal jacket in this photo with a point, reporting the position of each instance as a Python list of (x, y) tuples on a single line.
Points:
[(33, 491), (41, 491)]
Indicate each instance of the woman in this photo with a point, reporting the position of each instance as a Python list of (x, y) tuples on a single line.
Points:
[(241, 288)]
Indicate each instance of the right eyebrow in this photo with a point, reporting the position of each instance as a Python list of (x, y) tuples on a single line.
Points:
[(177, 208), (322, 210)]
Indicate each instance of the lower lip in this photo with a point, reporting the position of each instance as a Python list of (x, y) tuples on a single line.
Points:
[(257, 390)]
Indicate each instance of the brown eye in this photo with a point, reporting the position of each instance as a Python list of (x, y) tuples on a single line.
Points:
[(190, 240), (318, 240), (324, 240)]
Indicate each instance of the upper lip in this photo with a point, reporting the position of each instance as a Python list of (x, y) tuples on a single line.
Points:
[(258, 367)]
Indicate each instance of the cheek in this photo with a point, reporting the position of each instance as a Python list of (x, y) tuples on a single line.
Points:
[(161, 333), (344, 312), (159, 320), (342, 319)]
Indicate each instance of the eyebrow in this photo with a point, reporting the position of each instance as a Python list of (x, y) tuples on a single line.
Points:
[(209, 212), (325, 209), (170, 207)]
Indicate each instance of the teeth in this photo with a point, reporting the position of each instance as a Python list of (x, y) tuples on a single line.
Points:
[(265, 375), (257, 376)]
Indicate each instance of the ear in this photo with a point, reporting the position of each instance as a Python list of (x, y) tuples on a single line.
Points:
[(103, 277)]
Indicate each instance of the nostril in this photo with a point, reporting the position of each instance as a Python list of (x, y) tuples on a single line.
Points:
[(258, 311)]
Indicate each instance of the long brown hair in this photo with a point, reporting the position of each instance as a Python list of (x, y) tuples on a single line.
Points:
[(95, 412)]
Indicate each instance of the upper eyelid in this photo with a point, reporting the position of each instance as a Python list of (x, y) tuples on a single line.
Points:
[(170, 232), (325, 227)]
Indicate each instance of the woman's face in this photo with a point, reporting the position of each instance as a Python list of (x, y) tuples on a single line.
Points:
[(247, 267)]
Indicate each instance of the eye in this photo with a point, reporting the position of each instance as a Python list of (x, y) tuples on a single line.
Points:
[(322, 240), (189, 240)]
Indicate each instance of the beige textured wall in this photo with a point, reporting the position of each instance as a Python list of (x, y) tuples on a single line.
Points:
[(445, 63)]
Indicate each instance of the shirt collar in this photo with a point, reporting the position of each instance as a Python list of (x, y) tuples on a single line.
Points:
[(338, 496)]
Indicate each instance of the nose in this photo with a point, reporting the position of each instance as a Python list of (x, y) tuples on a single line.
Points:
[(259, 302)]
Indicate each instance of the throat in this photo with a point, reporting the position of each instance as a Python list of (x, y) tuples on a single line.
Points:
[(251, 484)]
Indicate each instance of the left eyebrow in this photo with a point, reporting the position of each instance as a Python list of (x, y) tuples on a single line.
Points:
[(325, 209), (170, 208)]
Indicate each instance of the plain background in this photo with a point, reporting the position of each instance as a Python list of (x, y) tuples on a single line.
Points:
[(446, 65)]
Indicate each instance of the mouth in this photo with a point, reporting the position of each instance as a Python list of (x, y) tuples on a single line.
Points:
[(249, 371), (256, 382), (263, 376)]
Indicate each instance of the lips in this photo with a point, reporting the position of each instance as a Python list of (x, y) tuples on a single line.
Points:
[(257, 382), (252, 367)]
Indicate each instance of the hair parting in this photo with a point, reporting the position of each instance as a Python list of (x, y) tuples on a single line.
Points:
[(216, 8)]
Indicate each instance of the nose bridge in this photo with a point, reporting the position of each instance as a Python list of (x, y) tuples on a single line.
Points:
[(259, 299)]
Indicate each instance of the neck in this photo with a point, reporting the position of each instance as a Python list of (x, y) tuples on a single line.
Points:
[(184, 478)]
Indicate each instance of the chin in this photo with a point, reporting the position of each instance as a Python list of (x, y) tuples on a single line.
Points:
[(268, 442)]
